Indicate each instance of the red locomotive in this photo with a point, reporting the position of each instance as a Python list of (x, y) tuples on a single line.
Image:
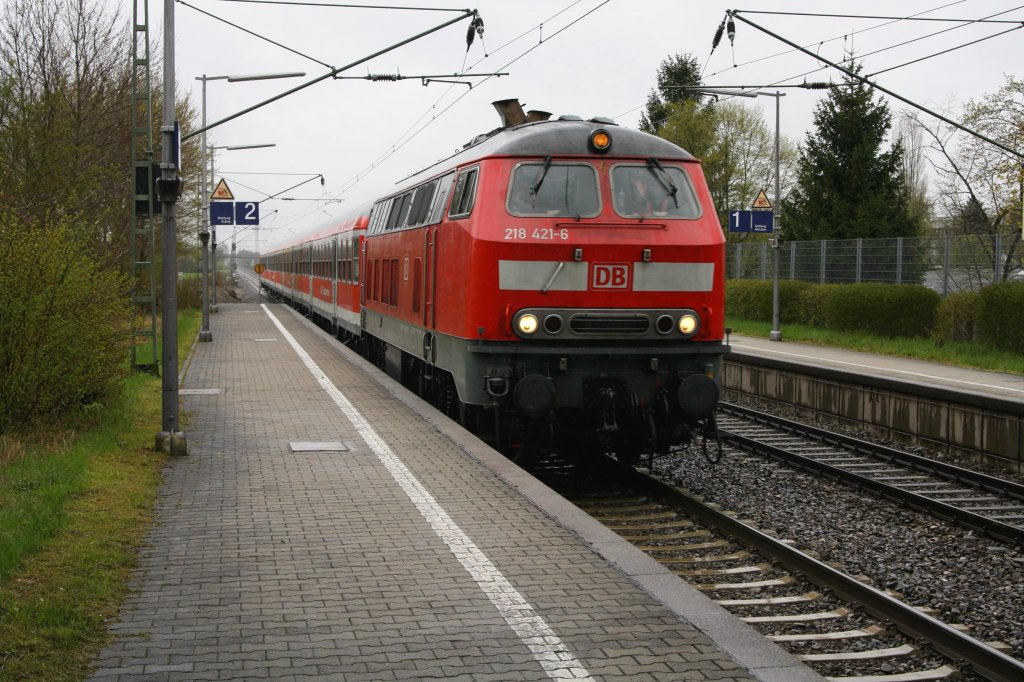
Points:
[(557, 283)]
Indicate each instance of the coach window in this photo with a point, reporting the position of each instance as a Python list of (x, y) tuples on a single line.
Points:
[(465, 193), (546, 189), (652, 190)]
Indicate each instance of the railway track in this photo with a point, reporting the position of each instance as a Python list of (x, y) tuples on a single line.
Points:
[(843, 628), (984, 503)]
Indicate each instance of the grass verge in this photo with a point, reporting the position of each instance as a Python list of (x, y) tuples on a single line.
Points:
[(958, 353), (72, 518)]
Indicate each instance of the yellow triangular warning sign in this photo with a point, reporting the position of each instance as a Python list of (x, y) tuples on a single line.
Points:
[(221, 191), (760, 202)]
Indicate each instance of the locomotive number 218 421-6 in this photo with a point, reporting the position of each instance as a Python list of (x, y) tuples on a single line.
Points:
[(536, 233)]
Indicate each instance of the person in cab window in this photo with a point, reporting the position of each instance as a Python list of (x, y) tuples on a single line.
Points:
[(644, 196), (523, 201)]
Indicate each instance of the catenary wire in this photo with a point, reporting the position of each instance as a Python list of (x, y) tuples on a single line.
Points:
[(341, 6), (351, 182), (967, 22)]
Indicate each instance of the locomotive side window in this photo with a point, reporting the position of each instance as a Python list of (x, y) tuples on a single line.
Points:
[(399, 211), (465, 193), (444, 187), (639, 191), (546, 189), (379, 216), (421, 204)]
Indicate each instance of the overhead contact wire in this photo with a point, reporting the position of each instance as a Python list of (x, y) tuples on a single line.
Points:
[(398, 145)]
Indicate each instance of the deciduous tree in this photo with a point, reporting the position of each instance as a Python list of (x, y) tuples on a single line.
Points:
[(980, 186), (736, 149)]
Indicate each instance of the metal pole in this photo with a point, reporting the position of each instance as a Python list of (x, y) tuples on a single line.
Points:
[(776, 333), (204, 232), (945, 266), (170, 438), (213, 241)]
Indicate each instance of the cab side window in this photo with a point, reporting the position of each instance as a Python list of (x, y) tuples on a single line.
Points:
[(465, 194)]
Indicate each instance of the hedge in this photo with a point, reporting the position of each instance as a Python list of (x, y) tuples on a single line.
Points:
[(884, 309), (956, 317), (1001, 315)]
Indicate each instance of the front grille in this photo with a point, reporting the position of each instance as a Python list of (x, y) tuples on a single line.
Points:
[(631, 325)]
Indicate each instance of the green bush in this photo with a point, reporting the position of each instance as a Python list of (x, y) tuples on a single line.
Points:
[(1001, 315), (799, 302), (955, 318), (884, 309), (750, 299), (190, 292), (63, 325), (813, 304)]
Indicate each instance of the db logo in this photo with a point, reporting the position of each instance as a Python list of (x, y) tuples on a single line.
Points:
[(609, 276)]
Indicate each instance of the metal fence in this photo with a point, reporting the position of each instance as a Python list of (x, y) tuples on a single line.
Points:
[(944, 264)]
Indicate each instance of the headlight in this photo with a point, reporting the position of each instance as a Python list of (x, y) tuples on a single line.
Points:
[(688, 324), (527, 324)]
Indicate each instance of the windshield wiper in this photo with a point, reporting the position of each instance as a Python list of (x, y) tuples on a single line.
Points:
[(663, 179), (537, 181)]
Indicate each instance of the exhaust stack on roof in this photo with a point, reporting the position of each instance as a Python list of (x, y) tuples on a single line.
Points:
[(534, 115), (511, 112)]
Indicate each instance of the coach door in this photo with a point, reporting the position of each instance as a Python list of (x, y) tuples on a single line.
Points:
[(334, 272), (309, 279)]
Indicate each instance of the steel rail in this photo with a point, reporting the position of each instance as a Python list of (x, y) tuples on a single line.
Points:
[(986, 661), (949, 472), (992, 527)]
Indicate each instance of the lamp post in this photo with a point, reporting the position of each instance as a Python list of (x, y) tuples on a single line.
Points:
[(775, 241), (204, 229)]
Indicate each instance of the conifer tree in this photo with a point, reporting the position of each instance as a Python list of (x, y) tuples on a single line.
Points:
[(674, 71), (848, 185)]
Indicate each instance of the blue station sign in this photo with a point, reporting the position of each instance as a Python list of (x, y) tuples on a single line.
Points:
[(247, 213), (234, 213), (751, 221), (222, 213)]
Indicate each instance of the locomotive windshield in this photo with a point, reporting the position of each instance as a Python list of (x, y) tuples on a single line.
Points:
[(653, 190), (551, 189)]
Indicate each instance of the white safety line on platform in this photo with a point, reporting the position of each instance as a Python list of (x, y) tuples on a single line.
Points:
[(804, 357), (533, 630)]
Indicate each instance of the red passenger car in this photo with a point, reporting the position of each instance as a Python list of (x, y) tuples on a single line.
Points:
[(556, 283)]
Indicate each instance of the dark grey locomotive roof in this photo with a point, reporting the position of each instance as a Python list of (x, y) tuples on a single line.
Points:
[(558, 138), (563, 137)]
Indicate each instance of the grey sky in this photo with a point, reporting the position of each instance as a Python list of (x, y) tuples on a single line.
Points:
[(603, 64)]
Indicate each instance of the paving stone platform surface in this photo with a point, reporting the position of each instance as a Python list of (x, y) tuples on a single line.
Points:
[(403, 548)]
